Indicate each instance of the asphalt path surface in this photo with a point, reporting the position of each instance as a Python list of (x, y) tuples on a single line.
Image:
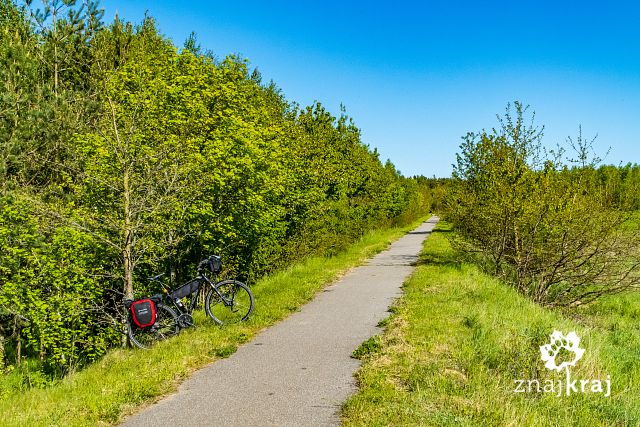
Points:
[(299, 371)]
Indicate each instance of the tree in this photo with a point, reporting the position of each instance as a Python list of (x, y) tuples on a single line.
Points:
[(43, 291), (132, 170)]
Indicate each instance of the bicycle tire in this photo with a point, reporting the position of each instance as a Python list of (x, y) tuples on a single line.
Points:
[(166, 326), (242, 302)]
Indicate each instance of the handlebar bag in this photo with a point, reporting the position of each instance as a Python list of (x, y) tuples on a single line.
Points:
[(143, 312), (215, 263)]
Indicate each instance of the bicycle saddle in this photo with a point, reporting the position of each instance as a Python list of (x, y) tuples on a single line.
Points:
[(155, 277)]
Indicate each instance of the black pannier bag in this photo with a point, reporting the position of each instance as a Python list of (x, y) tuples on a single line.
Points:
[(143, 312), (185, 290)]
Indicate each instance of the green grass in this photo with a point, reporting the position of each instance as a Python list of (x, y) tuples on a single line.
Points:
[(126, 379), (458, 339)]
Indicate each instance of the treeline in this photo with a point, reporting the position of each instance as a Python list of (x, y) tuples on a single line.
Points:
[(620, 184), (122, 156), (557, 225)]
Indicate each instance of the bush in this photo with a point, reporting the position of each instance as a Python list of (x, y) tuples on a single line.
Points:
[(545, 225)]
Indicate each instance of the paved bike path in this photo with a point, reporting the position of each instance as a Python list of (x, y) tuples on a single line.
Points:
[(299, 371)]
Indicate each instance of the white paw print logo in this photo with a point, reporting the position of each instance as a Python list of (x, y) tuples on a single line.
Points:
[(570, 343)]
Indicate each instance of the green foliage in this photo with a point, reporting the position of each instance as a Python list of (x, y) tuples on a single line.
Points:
[(557, 231), (50, 302), (122, 156), (369, 347)]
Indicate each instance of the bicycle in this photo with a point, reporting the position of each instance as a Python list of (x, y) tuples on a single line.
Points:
[(227, 301)]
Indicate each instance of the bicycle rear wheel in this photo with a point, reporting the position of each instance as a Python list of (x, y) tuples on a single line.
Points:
[(238, 306), (166, 326)]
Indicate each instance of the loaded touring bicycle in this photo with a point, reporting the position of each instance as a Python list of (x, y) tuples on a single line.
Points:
[(161, 316)]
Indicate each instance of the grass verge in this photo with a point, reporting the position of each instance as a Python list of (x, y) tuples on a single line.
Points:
[(459, 339), (126, 379)]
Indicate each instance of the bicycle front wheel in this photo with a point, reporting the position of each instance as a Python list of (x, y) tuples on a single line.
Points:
[(235, 306), (166, 326)]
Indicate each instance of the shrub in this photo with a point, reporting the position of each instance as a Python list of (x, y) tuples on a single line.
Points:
[(543, 224)]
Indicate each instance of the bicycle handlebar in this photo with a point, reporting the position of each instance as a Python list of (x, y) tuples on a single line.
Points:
[(203, 264)]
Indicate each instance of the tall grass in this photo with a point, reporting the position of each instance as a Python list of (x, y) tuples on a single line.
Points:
[(459, 339), (126, 379)]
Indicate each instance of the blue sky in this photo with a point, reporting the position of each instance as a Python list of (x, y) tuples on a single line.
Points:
[(416, 76)]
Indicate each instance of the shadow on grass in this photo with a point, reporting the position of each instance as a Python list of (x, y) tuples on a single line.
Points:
[(446, 259), (442, 230), (438, 255), (440, 261)]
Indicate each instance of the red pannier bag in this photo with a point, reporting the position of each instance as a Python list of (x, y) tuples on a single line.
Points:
[(143, 312)]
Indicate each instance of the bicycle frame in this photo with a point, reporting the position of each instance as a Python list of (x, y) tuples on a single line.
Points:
[(202, 279), (214, 286)]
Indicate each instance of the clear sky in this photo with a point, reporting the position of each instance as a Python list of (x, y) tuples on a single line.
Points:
[(416, 76)]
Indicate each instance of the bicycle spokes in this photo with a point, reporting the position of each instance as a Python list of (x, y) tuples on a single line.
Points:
[(229, 302)]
